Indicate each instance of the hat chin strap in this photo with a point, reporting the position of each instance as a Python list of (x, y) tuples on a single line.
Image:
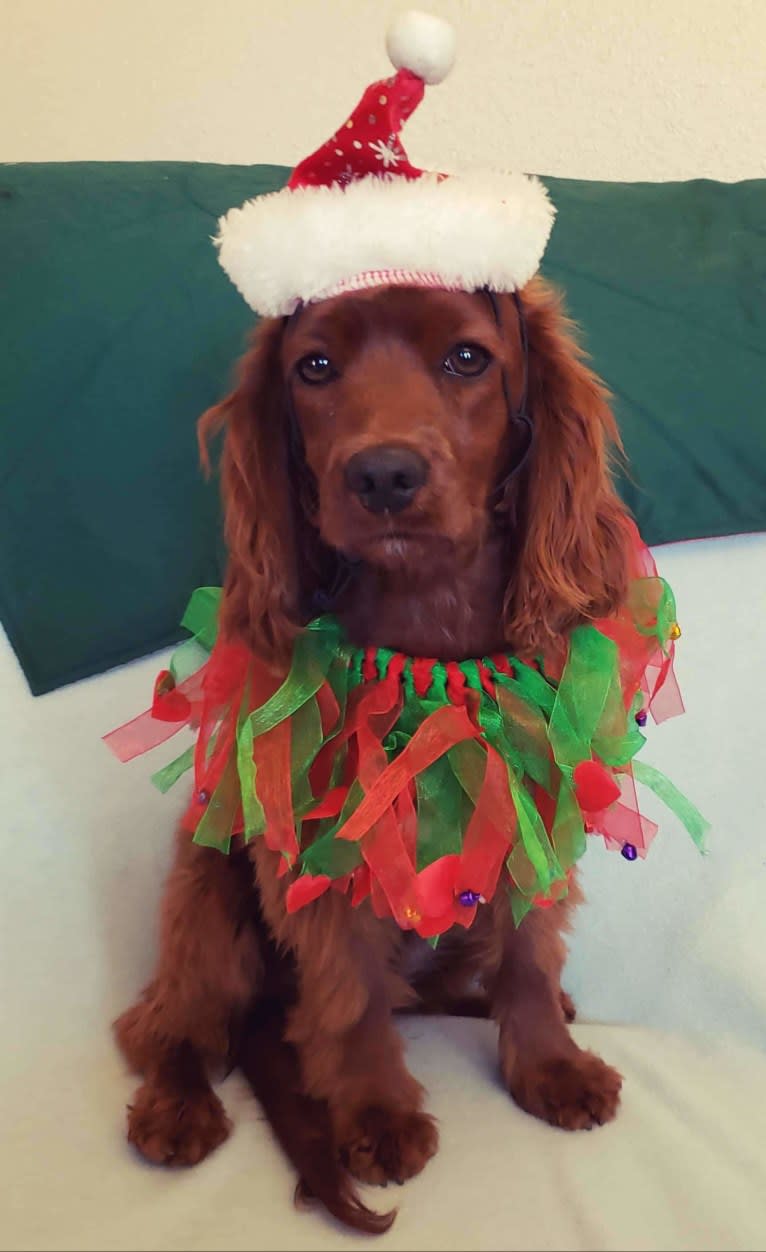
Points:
[(306, 496), (518, 416)]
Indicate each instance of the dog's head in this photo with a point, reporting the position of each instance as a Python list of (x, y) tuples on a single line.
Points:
[(399, 400), (384, 427)]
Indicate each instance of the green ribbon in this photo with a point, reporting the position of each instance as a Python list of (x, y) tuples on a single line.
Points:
[(201, 620), (216, 826), (525, 733), (468, 762), (527, 683), (443, 812), (652, 607), (253, 816), (201, 615), (164, 778), (331, 856), (568, 832), (315, 650), (534, 841), (672, 798), (581, 698), (520, 905), (306, 740)]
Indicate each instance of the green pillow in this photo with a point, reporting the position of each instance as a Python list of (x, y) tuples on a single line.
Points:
[(119, 329)]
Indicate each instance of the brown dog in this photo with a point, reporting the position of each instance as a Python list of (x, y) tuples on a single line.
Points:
[(381, 426)]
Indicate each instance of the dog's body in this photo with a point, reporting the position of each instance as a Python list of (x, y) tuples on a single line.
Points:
[(386, 426)]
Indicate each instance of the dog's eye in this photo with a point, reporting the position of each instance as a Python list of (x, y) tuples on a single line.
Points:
[(466, 360), (316, 368)]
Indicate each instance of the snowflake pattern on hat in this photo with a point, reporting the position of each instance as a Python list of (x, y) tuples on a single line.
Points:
[(368, 138)]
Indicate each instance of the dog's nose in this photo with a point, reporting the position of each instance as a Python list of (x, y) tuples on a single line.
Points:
[(386, 478)]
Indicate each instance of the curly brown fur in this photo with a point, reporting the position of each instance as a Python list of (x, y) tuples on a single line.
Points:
[(478, 561), (300, 1123)]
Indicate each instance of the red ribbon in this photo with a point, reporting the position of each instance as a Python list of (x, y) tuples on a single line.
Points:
[(437, 734), (490, 831), (271, 754), (147, 731)]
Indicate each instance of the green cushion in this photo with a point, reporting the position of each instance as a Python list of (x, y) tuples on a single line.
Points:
[(119, 329)]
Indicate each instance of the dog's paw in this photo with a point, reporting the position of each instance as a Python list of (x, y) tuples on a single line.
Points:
[(175, 1127), (389, 1146), (568, 1006), (576, 1092)]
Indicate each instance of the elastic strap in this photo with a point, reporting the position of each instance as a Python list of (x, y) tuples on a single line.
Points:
[(299, 470), (519, 416)]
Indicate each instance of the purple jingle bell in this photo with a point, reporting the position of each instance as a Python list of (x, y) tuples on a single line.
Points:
[(641, 717), (469, 898), (629, 851)]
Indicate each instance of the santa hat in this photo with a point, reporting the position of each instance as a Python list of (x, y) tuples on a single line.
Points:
[(357, 214)]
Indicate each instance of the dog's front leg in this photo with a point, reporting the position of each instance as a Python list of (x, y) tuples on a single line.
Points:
[(342, 1024), (209, 968), (543, 1068)]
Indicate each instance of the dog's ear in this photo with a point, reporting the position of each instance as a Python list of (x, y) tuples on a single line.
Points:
[(572, 555), (267, 536)]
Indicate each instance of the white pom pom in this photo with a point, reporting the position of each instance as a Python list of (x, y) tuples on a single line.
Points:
[(423, 44)]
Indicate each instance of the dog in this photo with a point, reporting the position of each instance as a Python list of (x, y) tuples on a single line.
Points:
[(435, 465)]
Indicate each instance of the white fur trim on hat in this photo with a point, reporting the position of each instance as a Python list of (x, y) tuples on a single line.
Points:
[(300, 245)]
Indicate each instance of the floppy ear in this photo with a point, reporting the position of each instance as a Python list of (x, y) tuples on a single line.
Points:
[(268, 537), (572, 556)]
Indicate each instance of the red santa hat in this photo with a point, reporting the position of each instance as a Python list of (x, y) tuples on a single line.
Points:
[(357, 214)]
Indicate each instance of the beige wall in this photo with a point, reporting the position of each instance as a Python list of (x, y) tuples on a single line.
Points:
[(619, 89)]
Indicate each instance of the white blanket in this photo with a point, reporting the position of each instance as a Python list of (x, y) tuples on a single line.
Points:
[(667, 958)]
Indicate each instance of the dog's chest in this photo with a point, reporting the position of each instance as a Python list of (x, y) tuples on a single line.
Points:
[(417, 959)]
